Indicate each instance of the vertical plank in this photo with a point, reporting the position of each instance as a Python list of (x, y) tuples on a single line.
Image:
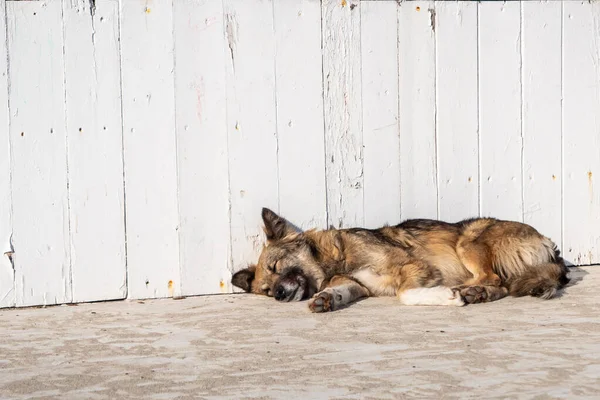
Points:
[(39, 159), (300, 129), (418, 162), (202, 146), (381, 147), (7, 273), (343, 116), (251, 122), (94, 136), (581, 124), (541, 44), (456, 87), (500, 109), (149, 148)]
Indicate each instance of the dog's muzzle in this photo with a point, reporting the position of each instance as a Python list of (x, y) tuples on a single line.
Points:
[(292, 286)]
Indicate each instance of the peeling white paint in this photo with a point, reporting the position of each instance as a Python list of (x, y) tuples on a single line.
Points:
[(231, 29), (147, 67), (201, 125), (94, 138), (343, 115), (380, 108), (7, 268), (300, 129), (500, 114), (417, 111), (542, 120), (251, 123), (580, 127), (40, 212)]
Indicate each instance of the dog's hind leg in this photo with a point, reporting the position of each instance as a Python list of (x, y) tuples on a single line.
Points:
[(480, 294), (340, 292), (477, 258)]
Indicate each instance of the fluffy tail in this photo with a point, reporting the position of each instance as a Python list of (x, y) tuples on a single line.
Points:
[(542, 280)]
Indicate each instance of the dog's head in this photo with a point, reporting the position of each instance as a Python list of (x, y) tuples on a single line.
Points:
[(291, 265)]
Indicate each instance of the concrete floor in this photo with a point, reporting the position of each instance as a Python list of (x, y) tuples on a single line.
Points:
[(244, 346)]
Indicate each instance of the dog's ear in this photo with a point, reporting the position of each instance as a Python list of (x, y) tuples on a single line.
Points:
[(243, 278), (276, 227)]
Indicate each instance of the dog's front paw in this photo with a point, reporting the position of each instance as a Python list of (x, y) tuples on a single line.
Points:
[(322, 302), (472, 294)]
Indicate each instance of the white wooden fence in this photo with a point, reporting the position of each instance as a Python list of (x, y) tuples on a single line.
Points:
[(139, 139)]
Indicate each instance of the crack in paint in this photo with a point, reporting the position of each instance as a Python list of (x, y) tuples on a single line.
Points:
[(93, 15), (10, 252), (92, 9), (231, 28), (432, 19)]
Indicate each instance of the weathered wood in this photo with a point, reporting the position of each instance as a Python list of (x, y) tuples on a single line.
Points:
[(581, 124), (343, 116), (542, 178), (457, 124), (192, 115), (417, 101), (7, 273), (39, 153), (501, 146), (251, 123), (149, 149), (299, 101), (381, 143), (200, 95), (95, 150)]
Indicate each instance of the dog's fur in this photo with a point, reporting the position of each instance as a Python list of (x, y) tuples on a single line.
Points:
[(423, 262)]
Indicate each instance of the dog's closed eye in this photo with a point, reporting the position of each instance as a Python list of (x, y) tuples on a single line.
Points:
[(273, 267)]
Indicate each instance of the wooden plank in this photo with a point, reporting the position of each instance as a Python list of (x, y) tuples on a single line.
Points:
[(456, 88), (581, 124), (7, 273), (251, 123), (94, 136), (381, 143), (500, 110), (39, 162), (343, 116), (300, 129), (149, 149), (541, 43), (418, 162), (202, 146)]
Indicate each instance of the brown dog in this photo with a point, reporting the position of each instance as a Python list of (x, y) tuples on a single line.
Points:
[(423, 262)]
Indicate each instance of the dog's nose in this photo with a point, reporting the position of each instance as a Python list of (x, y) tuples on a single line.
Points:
[(279, 293)]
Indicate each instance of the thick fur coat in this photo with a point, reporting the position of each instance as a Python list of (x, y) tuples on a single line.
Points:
[(422, 262)]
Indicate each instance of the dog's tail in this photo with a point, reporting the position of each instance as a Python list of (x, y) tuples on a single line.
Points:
[(543, 280)]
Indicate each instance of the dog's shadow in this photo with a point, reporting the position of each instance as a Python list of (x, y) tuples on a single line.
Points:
[(576, 274)]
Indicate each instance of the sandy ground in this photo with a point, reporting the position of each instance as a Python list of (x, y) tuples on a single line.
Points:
[(244, 346)]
